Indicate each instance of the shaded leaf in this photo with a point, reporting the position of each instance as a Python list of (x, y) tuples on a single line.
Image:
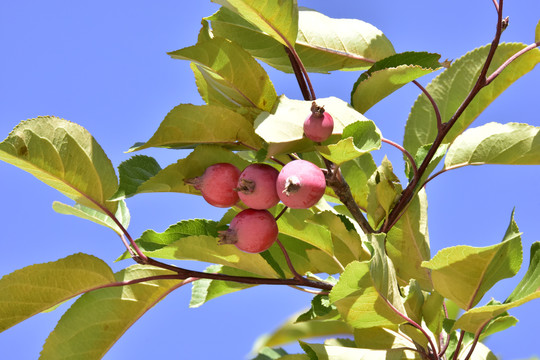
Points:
[(122, 215), (133, 172), (323, 44), (357, 173), (537, 33), (407, 243), (33, 289), (237, 73), (494, 143), (277, 18), (283, 127), (452, 86), (321, 309), (388, 75), (99, 318), (465, 273), (64, 156)]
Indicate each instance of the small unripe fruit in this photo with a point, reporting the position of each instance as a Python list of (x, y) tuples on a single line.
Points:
[(319, 125), (300, 184), (252, 231), (257, 186), (217, 184)]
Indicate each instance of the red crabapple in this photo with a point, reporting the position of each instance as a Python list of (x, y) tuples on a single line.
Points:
[(217, 184), (257, 186), (300, 184), (251, 231), (319, 125)]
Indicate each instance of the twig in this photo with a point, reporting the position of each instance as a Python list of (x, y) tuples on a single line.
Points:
[(288, 260), (409, 191), (476, 338), (497, 72), (404, 151), (458, 346), (433, 104)]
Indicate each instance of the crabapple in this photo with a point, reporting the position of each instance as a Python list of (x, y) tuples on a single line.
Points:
[(217, 184), (257, 186), (300, 184), (319, 125), (251, 231)]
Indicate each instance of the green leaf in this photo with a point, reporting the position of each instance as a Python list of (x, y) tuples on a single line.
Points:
[(537, 33), (420, 157), (358, 138), (465, 273), (175, 245), (531, 280), (271, 354), (323, 44), (187, 126), (234, 70), (451, 87), (36, 288), (171, 179), (481, 352), (283, 128), (204, 290), (500, 323), (357, 173), (122, 214), (276, 18), (362, 289), (99, 318), (384, 191), (381, 338), (296, 223), (407, 243), (66, 157), (321, 309), (473, 319), (292, 331), (329, 352), (414, 301), (133, 172), (432, 311), (494, 143), (388, 75)]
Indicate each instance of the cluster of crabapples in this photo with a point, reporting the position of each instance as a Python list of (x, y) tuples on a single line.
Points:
[(299, 185)]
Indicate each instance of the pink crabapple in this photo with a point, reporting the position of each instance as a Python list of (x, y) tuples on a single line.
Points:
[(319, 125), (217, 184), (300, 184), (252, 231), (257, 186)]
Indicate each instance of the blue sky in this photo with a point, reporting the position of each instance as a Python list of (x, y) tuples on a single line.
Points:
[(103, 64)]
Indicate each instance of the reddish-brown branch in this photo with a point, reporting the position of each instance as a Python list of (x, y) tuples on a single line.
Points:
[(404, 151)]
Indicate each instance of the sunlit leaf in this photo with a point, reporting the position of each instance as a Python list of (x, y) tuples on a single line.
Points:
[(171, 178), (99, 318), (388, 75), (277, 18), (357, 173), (408, 243), (207, 289), (384, 191), (531, 280), (36, 288), (537, 33), (363, 290), (122, 215), (237, 73), (451, 87), (187, 126), (465, 273), (323, 44), (283, 128), (494, 143), (291, 331), (66, 157), (329, 352), (358, 138)]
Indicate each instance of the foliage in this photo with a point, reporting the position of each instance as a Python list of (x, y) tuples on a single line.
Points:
[(363, 249)]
